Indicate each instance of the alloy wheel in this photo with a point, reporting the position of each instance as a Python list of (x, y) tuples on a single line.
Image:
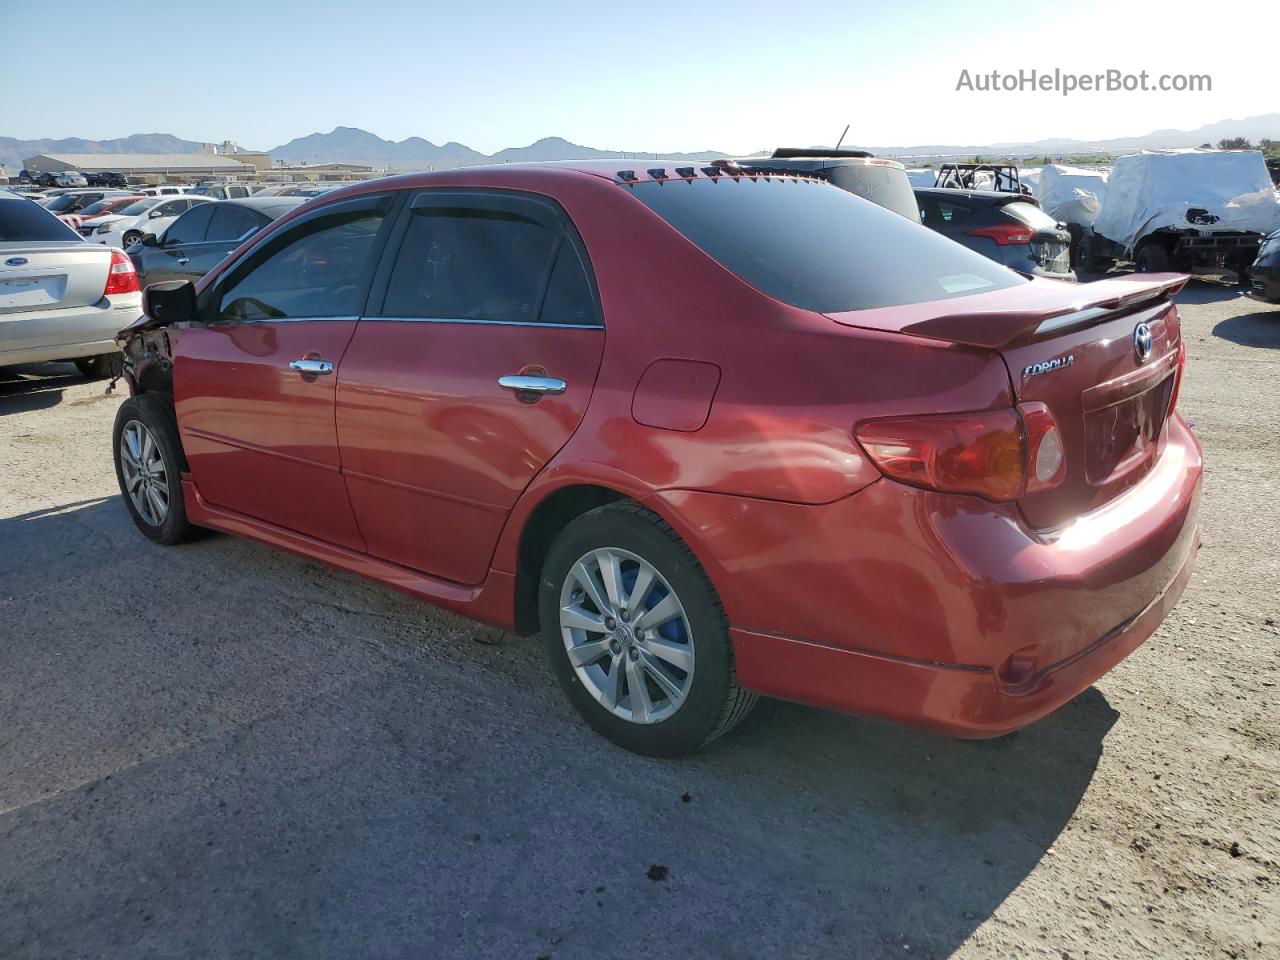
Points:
[(145, 479), (627, 635)]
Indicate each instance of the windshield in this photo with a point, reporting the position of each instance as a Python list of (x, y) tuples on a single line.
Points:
[(139, 207), (819, 247)]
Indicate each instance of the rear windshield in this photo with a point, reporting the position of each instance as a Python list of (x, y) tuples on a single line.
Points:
[(818, 247), (23, 221)]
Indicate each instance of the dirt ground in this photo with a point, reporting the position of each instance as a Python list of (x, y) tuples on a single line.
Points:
[(223, 751)]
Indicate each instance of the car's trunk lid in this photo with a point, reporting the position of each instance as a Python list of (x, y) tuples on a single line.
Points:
[(51, 275), (1077, 349)]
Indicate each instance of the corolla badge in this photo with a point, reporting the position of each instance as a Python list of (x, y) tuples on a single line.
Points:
[(1142, 342), (16, 262), (1048, 366)]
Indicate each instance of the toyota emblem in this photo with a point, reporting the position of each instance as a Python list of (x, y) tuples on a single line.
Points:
[(1142, 342)]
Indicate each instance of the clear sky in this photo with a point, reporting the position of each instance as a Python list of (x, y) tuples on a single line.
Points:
[(625, 74)]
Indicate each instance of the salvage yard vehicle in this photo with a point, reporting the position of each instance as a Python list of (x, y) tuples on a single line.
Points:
[(951, 495), (1196, 211), (60, 298), (147, 215), (1264, 274), (1000, 177), (1010, 228), (202, 237), (881, 181), (225, 191)]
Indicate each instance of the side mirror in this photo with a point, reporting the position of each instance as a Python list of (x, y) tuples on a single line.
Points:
[(149, 240), (155, 212), (170, 302)]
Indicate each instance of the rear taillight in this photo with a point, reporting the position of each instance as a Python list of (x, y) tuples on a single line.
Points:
[(995, 454), (121, 278), (1004, 234), (1178, 374)]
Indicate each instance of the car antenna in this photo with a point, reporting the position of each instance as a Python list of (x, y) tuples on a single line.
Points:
[(842, 136)]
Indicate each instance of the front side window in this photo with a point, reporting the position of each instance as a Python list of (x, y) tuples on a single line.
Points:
[(488, 258), (172, 208), (190, 227), (316, 268)]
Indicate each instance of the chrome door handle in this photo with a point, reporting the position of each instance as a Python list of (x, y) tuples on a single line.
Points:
[(312, 367), (539, 385), (184, 259)]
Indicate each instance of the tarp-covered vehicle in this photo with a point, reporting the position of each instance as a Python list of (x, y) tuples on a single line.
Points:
[(1203, 211)]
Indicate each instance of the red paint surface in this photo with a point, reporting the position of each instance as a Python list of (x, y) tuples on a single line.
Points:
[(842, 588)]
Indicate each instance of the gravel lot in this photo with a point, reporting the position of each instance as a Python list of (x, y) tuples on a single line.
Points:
[(223, 751)]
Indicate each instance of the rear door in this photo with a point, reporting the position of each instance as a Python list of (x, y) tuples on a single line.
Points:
[(437, 444), (254, 382)]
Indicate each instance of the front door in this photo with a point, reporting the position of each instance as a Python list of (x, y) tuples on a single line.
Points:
[(437, 440), (254, 381)]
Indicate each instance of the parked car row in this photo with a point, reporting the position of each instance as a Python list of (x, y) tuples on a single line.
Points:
[(914, 516)]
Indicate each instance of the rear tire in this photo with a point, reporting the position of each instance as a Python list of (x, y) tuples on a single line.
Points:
[(101, 366), (149, 463), (1151, 257), (656, 682)]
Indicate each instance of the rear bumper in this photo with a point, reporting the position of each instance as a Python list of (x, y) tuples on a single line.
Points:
[(911, 605), (44, 335)]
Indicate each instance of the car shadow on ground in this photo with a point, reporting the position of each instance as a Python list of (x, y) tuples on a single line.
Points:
[(1261, 328), (36, 386), (282, 760)]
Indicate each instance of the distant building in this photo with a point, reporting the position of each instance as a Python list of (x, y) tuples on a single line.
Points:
[(146, 167), (322, 171), (261, 160)]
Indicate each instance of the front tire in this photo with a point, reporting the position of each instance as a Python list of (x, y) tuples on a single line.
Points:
[(1152, 257), (101, 366), (149, 463), (635, 634), (130, 238)]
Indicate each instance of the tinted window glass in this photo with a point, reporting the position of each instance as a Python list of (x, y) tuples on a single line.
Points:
[(172, 208), (471, 263), (569, 298), (231, 222), (23, 220), (819, 247), (952, 212), (315, 269), (190, 227)]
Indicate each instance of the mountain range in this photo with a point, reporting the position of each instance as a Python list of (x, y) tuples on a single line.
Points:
[(353, 145)]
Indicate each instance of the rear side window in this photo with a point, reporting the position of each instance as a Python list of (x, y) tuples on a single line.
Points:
[(23, 221), (490, 258), (190, 227), (818, 247), (231, 222)]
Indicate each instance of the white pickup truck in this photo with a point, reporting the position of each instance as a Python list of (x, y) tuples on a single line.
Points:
[(60, 297)]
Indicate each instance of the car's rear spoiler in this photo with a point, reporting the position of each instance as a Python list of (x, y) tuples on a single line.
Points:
[(1093, 302)]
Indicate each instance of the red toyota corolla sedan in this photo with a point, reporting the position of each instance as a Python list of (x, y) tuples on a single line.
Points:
[(713, 435)]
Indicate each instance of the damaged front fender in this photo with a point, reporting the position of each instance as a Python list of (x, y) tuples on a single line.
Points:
[(148, 357)]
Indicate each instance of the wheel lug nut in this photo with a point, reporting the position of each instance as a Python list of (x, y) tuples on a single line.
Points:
[(634, 653), (614, 648), (626, 616), (610, 623)]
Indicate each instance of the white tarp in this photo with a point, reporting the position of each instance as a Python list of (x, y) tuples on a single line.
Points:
[(1030, 177), (1210, 190), (1071, 194)]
